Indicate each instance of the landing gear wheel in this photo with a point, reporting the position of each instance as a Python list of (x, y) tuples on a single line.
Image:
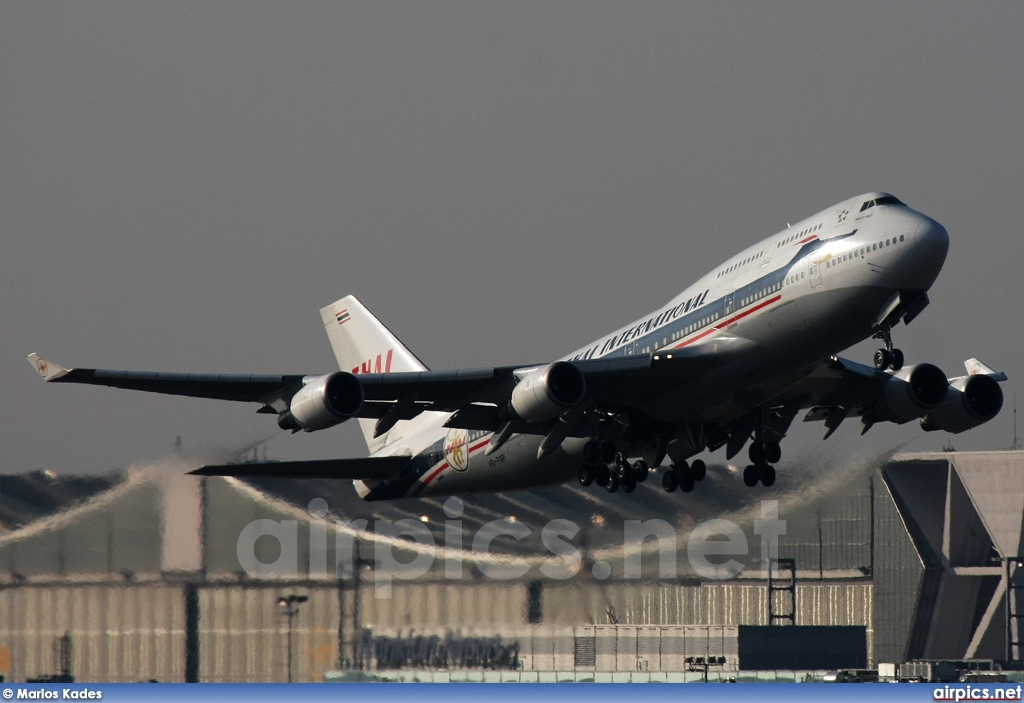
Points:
[(756, 453), (629, 485), (686, 483), (640, 470), (772, 452), (896, 360), (699, 469), (882, 359), (767, 475), (606, 451), (586, 476), (612, 484), (751, 476), (669, 481), (622, 468), (592, 452)]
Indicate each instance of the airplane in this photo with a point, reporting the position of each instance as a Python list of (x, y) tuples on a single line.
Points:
[(731, 360)]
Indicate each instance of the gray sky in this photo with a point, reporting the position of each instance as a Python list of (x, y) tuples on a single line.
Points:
[(183, 185)]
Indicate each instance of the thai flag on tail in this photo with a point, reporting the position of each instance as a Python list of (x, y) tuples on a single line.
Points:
[(342, 316)]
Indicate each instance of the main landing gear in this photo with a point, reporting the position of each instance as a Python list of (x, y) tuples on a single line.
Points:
[(887, 358), (763, 455), (621, 473), (683, 475)]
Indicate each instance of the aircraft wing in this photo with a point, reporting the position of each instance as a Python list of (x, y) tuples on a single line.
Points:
[(839, 388), (365, 468), (239, 387), (477, 397)]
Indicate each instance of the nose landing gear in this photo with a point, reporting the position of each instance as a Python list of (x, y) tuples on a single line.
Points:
[(887, 358)]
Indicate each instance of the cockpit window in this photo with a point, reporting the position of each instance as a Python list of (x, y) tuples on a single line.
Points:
[(885, 200), (888, 200)]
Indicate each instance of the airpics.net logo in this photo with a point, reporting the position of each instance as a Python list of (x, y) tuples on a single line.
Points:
[(711, 549)]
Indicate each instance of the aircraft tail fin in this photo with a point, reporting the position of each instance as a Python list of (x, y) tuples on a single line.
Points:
[(362, 344)]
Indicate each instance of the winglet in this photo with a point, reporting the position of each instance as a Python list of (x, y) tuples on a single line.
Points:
[(49, 370), (975, 367)]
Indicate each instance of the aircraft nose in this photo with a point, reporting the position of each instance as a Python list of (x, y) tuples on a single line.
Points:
[(932, 244)]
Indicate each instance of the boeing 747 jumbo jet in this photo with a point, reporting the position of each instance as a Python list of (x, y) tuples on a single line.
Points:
[(732, 359)]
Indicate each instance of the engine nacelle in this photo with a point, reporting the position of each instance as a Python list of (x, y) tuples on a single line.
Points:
[(324, 401), (972, 401), (548, 392), (914, 391)]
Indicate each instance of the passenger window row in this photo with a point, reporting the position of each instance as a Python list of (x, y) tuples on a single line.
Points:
[(735, 266), (760, 294), (849, 256), (696, 325), (798, 235)]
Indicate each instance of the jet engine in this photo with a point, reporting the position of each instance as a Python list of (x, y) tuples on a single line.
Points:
[(322, 402), (972, 401), (548, 392), (913, 391)]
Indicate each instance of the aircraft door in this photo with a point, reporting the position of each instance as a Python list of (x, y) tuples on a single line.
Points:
[(769, 249), (730, 303), (814, 273)]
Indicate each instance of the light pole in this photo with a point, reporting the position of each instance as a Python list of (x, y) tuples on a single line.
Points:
[(290, 606)]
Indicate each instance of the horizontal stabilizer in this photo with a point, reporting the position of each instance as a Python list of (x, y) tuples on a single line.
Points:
[(976, 367), (367, 468), (49, 370)]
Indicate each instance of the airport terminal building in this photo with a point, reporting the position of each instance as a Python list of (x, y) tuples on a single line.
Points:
[(156, 575)]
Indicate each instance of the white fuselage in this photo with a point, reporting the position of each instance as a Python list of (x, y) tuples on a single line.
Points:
[(798, 296)]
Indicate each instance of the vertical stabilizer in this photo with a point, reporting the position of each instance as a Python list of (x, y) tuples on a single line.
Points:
[(363, 345)]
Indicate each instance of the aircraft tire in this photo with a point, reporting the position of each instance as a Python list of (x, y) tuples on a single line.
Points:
[(586, 476), (622, 469), (612, 484), (686, 483), (640, 470), (629, 485), (669, 481), (882, 359), (756, 452), (699, 469), (607, 452), (591, 452), (767, 475), (750, 476), (773, 452), (896, 362)]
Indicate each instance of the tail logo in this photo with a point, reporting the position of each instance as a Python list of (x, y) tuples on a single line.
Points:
[(42, 367), (380, 364), (342, 316), (456, 449)]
